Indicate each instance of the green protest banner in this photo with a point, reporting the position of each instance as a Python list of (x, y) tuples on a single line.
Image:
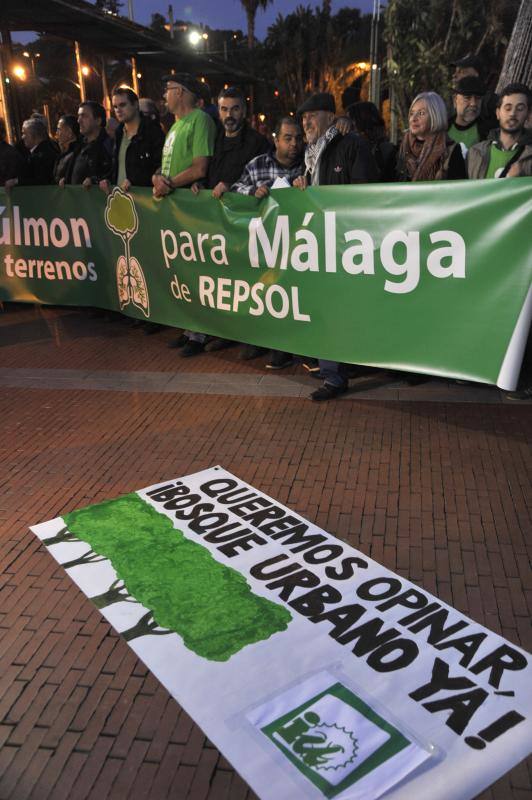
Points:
[(427, 277)]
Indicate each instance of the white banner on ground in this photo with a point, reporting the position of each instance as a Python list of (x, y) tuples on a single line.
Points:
[(315, 670)]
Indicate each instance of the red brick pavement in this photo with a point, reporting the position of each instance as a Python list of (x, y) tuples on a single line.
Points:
[(438, 492)]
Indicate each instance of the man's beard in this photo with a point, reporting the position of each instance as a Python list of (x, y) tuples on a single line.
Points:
[(231, 124), (515, 129)]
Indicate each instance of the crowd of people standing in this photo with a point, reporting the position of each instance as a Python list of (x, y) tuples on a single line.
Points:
[(485, 136)]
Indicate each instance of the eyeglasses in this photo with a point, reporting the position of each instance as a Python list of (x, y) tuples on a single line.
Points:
[(420, 114)]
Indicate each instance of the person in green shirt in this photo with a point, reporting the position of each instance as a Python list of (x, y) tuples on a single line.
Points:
[(466, 127), (187, 150), (189, 143), (507, 152)]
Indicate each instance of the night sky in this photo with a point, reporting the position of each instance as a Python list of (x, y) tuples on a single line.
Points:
[(228, 14)]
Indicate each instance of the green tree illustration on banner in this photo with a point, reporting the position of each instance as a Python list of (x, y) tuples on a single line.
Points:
[(121, 218)]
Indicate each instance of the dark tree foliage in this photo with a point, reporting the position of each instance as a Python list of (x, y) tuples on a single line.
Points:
[(113, 6), (424, 36), (314, 50)]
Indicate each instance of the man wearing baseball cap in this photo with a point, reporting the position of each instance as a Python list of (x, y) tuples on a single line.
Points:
[(187, 150), (190, 141), (466, 127)]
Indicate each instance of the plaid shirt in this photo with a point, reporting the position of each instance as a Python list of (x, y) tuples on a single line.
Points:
[(262, 171)]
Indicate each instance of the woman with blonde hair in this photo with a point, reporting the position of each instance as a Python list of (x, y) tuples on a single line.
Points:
[(426, 153)]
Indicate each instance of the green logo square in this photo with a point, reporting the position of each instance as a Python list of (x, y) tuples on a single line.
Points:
[(334, 739)]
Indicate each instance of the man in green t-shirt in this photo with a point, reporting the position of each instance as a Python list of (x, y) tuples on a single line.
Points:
[(190, 141), (507, 152), (187, 150)]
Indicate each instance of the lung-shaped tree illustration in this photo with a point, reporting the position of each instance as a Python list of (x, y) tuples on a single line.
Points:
[(121, 218)]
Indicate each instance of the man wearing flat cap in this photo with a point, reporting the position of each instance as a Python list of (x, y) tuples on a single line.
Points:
[(466, 126), (187, 150), (331, 160)]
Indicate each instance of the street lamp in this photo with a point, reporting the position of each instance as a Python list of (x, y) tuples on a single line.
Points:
[(19, 72), (196, 37)]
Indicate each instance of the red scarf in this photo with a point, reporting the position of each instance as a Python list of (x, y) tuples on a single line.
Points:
[(425, 160)]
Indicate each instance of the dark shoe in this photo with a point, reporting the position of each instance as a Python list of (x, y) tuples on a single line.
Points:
[(280, 360), (251, 351), (411, 379), (520, 394), (327, 392), (219, 344), (179, 342), (192, 348), (152, 327)]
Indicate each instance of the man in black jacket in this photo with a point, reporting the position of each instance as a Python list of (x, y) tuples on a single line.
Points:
[(138, 143), (42, 155), (92, 161), (331, 160), (11, 162), (236, 144)]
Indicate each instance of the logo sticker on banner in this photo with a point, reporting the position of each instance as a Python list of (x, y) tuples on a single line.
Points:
[(336, 740)]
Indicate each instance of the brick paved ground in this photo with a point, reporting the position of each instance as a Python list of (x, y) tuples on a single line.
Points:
[(435, 486)]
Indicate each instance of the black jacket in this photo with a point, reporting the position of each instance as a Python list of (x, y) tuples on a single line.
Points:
[(143, 156), (232, 153), (40, 164), (347, 159), (61, 165), (11, 163), (90, 160)]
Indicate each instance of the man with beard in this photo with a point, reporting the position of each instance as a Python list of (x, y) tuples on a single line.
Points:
[(466, 126), (507, 152), (91, 162), (235, 145)]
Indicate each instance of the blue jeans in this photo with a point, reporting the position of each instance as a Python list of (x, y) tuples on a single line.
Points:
[(332, 374)]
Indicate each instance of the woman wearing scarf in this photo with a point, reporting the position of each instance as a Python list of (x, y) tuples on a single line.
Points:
[(426, 153)]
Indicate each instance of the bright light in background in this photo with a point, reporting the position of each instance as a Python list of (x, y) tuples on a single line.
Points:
[(19, 72), (85, 70), (194, 37)]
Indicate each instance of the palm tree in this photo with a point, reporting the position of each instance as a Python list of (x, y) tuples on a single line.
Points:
[(251, 7)]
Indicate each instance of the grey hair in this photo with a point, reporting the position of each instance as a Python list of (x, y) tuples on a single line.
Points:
[(436, 109), (37, 126)]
